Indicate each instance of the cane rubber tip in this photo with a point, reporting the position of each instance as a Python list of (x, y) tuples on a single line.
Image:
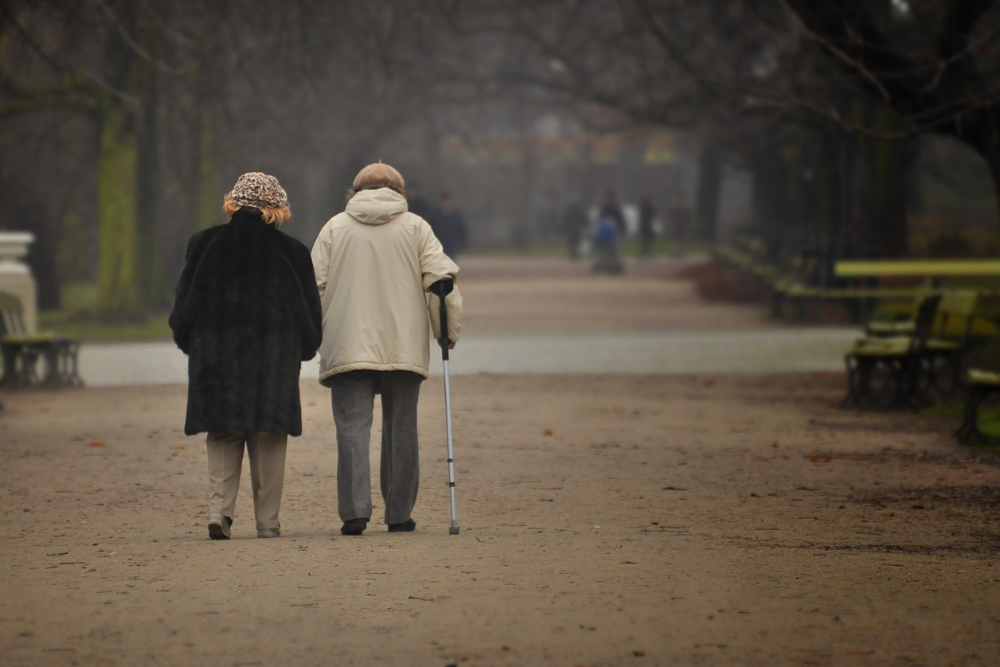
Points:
[(453, 530)]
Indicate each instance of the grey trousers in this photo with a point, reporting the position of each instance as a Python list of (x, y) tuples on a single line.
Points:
[(353, 397), (267, 472)]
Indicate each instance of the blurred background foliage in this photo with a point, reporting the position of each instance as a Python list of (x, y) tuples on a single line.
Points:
[(838, 129)]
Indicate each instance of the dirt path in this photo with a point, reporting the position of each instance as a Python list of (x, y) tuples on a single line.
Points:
[(665, 520), (530, 295)]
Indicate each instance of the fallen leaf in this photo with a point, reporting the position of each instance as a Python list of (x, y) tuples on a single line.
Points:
[(789, 446), (179, 447), (921, 455), (821, 458), (96, 444), (859, 652), (547, 432)]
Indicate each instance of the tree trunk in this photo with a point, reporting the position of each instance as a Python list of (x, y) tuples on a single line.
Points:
[(118, 296), (889, 182), (830, 183), (772, 202), (991, 154), (203, 181), (709, 190), (153, 294)]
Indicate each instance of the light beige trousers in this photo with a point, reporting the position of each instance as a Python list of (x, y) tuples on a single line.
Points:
[(267, 472)]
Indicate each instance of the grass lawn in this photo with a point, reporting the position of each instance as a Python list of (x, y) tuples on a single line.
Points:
[(77, 319), (153, 328), (989, 420)]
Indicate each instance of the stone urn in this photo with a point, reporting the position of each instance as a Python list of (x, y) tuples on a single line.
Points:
[(15, 276)]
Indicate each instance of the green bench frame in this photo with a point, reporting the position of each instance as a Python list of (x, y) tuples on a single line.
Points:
[(903, 359), (979, 385)]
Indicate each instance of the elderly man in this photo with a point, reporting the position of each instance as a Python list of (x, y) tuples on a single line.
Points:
[(375, 264)]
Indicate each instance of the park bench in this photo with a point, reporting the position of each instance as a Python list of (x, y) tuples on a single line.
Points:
[(783, 277), (901, 360), (793, 286), (789, 288), (21, 351), (930, 272), (932, 269), (951, 334), (950, 338), (899, 326), (979, 385), (863, 296), (749, 256)]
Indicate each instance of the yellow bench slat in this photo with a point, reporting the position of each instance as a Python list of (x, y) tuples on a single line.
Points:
[(916, 268)]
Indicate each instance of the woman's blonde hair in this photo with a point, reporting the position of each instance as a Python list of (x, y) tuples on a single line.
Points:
[(272, 216)]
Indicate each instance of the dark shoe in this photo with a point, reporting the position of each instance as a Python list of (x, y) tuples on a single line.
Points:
[(404, 527), (219, 526), (354, 527)]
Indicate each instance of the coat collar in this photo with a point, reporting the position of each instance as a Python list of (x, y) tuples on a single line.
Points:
[(243, 215)]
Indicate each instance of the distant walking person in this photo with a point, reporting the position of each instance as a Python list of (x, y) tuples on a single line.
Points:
[(449, 227), (610, 227), (247, 313), (574, 222), (374, 265), (610, 210), (416, 203), (647, 216)]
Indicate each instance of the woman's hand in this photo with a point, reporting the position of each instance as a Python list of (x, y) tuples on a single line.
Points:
[(451, 346)]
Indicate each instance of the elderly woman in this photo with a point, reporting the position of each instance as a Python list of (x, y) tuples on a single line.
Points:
[(375, 264), (247, 313)]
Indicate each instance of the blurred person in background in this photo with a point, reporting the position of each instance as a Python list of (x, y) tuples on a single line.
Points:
[(606, 258), (647, 216), (610, 210), (416, 203), (574, 222), (449, 226), (374, 264), (247, 314)]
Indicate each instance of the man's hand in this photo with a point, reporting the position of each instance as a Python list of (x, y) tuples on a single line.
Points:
[(451, 346)]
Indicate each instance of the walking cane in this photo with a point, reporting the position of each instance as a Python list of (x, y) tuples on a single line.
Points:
[(443, 288)]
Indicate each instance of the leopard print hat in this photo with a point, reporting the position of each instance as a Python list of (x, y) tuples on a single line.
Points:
[(257, 190)]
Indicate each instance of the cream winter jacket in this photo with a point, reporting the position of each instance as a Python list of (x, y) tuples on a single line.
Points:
[(374, 264)]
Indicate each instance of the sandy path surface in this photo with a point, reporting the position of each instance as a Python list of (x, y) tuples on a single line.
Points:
[(607, 520), (528, 295), (553, 316)]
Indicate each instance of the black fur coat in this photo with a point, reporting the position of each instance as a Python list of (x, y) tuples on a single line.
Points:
[(247, 313)]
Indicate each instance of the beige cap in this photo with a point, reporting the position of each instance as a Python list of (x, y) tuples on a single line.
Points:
[(379, 175)]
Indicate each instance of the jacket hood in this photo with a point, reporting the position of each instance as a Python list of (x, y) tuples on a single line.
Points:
[(376, 207)]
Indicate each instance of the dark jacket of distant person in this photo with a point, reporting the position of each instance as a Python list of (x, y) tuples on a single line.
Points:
[(247, 313), (449, 228), (612, 211), (417, 205)]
